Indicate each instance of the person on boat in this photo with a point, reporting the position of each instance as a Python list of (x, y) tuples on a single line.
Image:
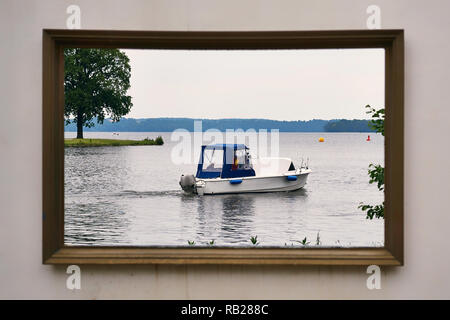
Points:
[(235, 163)]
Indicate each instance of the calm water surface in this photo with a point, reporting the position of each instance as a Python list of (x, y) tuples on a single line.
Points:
[(130, 196)]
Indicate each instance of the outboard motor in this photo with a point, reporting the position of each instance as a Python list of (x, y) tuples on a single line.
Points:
[(187, 183)]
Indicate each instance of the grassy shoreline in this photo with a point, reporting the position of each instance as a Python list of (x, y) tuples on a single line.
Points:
[(158, 141)]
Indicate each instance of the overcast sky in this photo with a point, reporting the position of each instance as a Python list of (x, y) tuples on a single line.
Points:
[(270, 84)]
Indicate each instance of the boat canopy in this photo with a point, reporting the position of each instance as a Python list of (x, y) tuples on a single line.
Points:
[(224, 161)]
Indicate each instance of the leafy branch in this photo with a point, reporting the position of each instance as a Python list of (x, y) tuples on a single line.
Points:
[(376, 172), (377, 121)]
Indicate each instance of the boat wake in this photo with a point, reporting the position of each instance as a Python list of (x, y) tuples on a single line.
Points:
[(102, 197), (142, 194)]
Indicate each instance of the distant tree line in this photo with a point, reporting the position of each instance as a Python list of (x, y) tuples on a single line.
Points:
[(348, 126), (171, 124)]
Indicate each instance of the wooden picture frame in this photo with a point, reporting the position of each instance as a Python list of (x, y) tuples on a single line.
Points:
[(54, 41)]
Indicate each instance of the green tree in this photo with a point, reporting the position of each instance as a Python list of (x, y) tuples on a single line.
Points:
[(376, 172), (95, 86)]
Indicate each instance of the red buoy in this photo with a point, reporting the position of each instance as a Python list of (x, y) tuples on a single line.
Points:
[(368, 138)]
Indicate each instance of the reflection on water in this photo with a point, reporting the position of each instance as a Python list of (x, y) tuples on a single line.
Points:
[(238, 214), (131, 196)]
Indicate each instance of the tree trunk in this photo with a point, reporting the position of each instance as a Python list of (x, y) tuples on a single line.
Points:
[(79, 125)]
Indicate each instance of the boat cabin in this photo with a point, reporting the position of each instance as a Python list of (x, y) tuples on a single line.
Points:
[(225, 161)]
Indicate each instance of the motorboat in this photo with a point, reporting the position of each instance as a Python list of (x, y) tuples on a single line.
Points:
[(229, 168)]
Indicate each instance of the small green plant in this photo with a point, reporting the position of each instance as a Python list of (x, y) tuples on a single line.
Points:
[(191, 243), (285, 244), (211, 243), (304, 242), (254, 240)]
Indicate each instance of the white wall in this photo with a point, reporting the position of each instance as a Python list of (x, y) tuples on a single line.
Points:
[(427, 154)]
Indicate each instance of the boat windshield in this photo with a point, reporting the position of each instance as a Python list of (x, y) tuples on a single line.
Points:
[(212, 160)]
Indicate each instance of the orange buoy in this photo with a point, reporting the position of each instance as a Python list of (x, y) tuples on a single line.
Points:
[(368, 138), (321, 139)]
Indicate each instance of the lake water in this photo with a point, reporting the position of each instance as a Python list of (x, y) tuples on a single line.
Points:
[(130, 196)]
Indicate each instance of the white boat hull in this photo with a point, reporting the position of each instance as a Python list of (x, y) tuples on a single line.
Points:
[(253, 184)]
